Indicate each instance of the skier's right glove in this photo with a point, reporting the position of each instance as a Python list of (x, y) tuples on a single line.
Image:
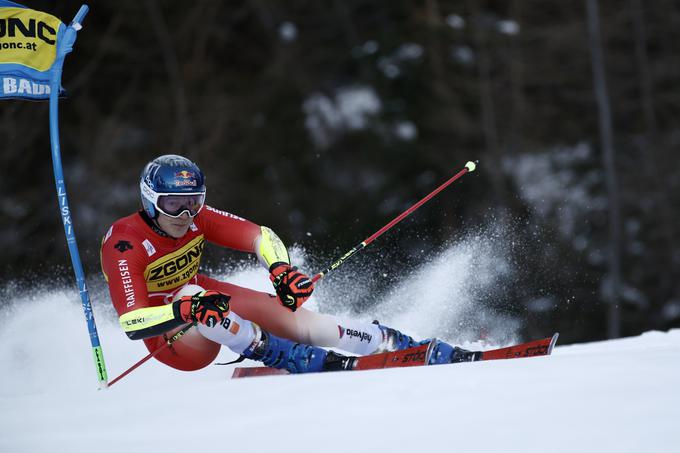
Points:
[(292, 287), (206, 307)]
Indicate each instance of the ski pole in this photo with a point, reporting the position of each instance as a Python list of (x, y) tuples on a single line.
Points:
[(469, 168), (167, 344)]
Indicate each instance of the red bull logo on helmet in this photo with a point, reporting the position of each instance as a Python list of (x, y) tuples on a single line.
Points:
[(185, 178)]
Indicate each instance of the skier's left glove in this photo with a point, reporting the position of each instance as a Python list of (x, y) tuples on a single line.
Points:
[(206, 307), (292, 287)]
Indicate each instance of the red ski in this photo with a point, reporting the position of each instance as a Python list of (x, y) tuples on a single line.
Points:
[(406, 357), (419, 356), (530, 349)]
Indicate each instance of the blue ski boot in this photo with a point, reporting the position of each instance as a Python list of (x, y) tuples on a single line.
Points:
[(445, 353), (393, 340), (296, 358)]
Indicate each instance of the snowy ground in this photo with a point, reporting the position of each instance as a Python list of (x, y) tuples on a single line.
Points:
[(619, 396)]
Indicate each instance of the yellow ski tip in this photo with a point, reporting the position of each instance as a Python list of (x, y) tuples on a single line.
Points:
[(471, 166)]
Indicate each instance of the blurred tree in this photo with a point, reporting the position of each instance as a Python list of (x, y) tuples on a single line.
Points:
[(612, 283), (326, 119)]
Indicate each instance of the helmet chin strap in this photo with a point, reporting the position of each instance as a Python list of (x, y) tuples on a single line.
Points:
[(153, 222), (158, 225)]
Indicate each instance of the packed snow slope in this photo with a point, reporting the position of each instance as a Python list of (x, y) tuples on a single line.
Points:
[(620, 396)]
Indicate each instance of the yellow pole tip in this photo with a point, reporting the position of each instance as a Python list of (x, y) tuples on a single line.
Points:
[(471, 166)]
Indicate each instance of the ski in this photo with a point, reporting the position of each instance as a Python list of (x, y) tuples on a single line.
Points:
[(416, 356), (420, 355), (531, 349)]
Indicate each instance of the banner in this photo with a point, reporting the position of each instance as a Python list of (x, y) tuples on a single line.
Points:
[(28, 51), (33, 46)]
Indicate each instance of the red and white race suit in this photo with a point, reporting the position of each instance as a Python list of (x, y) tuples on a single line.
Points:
[(144, 267)]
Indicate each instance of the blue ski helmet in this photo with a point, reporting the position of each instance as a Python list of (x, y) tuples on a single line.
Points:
[(172, 185)]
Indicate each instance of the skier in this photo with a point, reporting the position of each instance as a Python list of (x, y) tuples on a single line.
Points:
[(151, 259)]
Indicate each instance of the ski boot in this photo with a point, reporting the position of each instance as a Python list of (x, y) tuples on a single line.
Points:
[(445, 353), (393, 340), (296, 358), (338, 362)]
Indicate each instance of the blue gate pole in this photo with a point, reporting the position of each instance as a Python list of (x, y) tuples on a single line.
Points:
[(65, 46)]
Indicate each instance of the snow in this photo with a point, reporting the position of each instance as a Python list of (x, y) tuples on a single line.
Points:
[(552, 185), (620, 395)]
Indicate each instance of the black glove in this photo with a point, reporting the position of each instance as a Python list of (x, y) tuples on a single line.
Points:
[(292, 286), (206, 307)]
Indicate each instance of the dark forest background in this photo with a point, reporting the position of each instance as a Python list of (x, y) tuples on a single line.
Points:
[(326, 119)]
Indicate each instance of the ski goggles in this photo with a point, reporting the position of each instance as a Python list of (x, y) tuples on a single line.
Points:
[(174, 204)]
